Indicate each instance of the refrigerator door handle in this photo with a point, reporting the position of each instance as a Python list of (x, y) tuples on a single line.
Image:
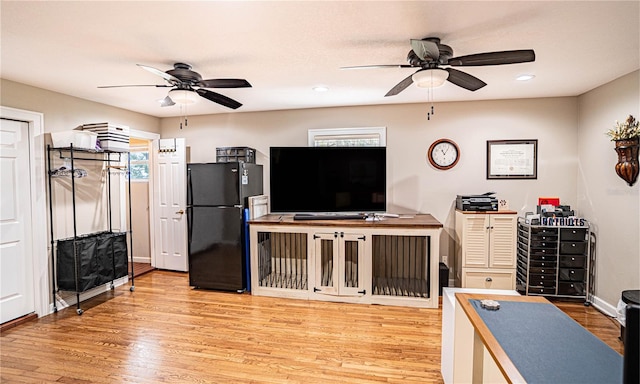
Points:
[(189, 226), (189, 187)]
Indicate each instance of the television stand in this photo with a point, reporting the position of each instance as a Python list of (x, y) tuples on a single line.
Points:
[(393, 261), (328, 216)]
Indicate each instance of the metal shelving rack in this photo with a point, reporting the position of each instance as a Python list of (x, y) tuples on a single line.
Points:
[(108, 157)]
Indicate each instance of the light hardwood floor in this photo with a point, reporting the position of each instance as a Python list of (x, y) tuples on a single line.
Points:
[(168, 332)]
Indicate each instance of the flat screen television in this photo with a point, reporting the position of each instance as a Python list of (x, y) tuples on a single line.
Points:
[(328, 179)]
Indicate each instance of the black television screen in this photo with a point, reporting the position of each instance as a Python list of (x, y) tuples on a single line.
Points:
[(328, 179)]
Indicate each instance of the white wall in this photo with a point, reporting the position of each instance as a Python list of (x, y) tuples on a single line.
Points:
[(612, 206), (140, 219), (62, 112), (413, 185)]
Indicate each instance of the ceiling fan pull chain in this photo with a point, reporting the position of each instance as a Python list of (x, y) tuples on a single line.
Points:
[(430, 100), (183, 116)]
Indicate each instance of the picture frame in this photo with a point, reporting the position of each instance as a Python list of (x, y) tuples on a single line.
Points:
[(512, 159)]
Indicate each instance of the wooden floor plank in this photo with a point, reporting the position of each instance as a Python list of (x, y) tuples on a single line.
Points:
[(166, 331)]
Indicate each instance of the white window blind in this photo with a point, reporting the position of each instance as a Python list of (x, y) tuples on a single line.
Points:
[(348, 137)]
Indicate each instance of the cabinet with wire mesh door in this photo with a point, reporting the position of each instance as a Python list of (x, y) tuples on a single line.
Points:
[(339, 263)]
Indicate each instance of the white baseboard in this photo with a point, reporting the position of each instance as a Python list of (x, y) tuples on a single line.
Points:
[(604, 307), (141, 259), (69, 298)]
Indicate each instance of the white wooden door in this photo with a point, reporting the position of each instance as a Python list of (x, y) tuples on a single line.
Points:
[(170, 199), (16, 258)]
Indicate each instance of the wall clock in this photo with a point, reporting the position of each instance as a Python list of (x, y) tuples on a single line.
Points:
[(443, 154)]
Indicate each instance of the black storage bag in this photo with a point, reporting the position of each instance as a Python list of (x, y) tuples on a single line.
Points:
[(86, 263), (102, 257), (120, 264), (104, 252)]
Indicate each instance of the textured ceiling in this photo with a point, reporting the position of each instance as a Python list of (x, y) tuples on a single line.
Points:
[(284, 48)]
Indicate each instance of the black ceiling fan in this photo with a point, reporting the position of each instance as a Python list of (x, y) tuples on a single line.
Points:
[(429, 55), (186, 83)]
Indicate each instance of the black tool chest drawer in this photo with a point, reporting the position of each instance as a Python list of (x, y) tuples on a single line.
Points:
[(573, 234), (553, 260), (547, 291), (573, 261), (573, 247), (538, 279), (544, 231), (571, 274), (568, 288)]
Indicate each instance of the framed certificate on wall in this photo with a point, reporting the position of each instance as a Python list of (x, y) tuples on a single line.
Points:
[(512, 159)]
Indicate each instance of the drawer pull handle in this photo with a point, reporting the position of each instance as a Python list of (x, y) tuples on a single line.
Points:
[(488, 279)]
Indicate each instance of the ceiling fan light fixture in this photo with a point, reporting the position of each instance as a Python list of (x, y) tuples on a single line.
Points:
[(430, 78), (183, 96)]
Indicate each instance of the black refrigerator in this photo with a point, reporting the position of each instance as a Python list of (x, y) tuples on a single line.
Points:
[(217, 195)]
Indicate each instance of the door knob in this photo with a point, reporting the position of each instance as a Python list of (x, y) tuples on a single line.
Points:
[(180, 212)]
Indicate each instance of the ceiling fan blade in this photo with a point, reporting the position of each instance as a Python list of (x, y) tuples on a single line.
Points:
[(135, 85), (167, 102), (164, 75), (379, 66), (494, 58), (464, 80), (218, 98), (224, 83), (400, 86), (425, 49)]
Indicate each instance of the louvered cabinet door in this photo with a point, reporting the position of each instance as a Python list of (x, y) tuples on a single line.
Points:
[(502, 241), (475, 241)]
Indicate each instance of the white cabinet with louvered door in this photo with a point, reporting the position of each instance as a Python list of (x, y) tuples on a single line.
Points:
[(486, 249)]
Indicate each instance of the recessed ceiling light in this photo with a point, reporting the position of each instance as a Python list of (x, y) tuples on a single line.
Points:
[(320, 88), (525, 77)]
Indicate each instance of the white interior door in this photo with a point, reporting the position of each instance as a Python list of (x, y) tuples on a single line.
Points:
[(170, 198), (16, 258)]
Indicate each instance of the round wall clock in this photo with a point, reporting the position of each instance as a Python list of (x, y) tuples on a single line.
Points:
[(443, 154)]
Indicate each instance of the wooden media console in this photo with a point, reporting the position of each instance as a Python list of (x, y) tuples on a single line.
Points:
[(393, 261)]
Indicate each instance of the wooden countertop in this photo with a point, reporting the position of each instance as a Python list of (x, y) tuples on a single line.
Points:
[(422, 221)]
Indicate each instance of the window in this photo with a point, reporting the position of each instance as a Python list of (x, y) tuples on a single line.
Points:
[(348, 137), (139, 170)]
